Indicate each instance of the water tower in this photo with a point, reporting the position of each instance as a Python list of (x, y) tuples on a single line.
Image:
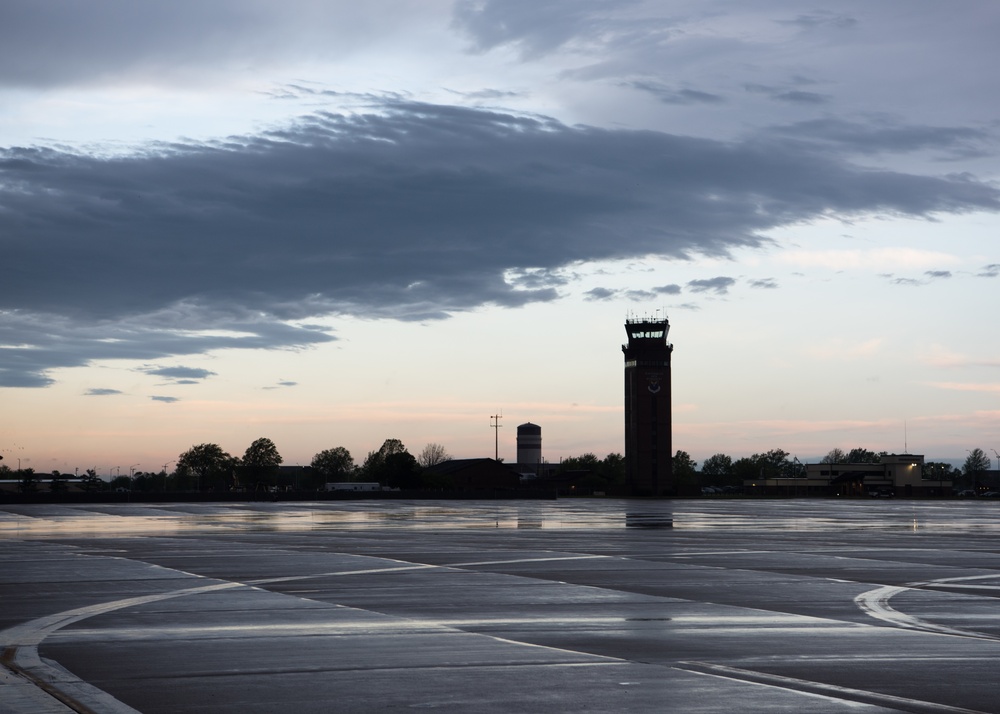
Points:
[(529, 445)]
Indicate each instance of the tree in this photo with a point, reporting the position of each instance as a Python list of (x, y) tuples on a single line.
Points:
[(28, 482), (939, 471), (121, 483), (835, 456), (717, 469), (144, 482), (613, 468), (864, 456), (586, 462), (772, 464), (433, 454), (91, 482), (261, 461), (974, 465), (208, 465), (334, 464), (685, 469), (392, 465), (58, 483)]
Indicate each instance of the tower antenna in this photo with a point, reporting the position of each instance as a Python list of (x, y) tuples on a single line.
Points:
[(495, 424)]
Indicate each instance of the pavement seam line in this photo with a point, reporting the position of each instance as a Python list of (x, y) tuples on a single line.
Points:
[(914, 706)]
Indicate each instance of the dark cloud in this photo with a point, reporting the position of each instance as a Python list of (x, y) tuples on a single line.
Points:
[(633, 295), (40, 341), (600, 294), (797, 96), (411, 212), (668, 290), (187, 373), (166, 400), (886, 135), (764, 283), (990, 271), (938, 273), (719, 285), (668, 95), (57, 42), (101, 392)]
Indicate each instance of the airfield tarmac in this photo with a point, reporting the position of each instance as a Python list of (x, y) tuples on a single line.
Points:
[(533, 606)]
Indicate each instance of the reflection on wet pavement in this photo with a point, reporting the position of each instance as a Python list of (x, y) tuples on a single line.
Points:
[(30, 521)]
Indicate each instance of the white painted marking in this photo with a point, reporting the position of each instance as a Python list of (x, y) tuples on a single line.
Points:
[(860, 697), (524, 560), (876, 604)]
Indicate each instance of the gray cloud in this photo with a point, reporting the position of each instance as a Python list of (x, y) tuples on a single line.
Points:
[(887, 135), (410, 212), (797, 96), (534, 28), (764, 283), (633, 295), (668, 95), (46, 43), (719, 285), (190, 374), (166, 400), (668, 290), (990, 271), (822, 19), (938, 273), (101, 392), (283, 384)]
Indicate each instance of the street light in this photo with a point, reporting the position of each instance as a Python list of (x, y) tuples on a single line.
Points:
[(165, 474)]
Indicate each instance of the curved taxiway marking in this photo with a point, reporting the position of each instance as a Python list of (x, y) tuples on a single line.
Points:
[(876, 603), (19, 644)]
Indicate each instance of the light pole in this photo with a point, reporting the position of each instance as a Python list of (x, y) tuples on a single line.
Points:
[(165, 474), (495, 424), (131, 475)]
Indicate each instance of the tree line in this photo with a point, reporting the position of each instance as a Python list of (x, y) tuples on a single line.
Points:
[(208, 467)]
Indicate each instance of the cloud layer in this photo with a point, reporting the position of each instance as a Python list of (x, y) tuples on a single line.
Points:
[(409, 211)]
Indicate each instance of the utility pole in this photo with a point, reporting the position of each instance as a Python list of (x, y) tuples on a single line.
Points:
[(495, 424)]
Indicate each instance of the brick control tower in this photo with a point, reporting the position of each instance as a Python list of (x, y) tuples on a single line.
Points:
[(648, 446)]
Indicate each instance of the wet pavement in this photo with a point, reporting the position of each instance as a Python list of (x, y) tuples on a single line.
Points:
[(540, 606)]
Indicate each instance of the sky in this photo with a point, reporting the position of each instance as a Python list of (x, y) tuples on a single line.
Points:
[(329, 224)]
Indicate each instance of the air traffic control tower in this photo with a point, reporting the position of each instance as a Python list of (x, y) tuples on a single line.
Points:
[(648, 445)]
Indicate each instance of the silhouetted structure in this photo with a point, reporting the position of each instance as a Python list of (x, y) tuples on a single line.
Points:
[(471, 474), (648, 449), (529, 447)]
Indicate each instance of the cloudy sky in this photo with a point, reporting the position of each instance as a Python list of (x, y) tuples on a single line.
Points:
[(334, 223)]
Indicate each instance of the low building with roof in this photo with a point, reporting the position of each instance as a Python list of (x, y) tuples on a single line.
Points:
[(893, 475)]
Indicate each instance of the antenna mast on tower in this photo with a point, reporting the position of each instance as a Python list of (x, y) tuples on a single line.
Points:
[(495, 424)]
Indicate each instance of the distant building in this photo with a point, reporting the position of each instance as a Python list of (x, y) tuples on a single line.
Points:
[(648, 421), (895, 475), (475, 474)]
